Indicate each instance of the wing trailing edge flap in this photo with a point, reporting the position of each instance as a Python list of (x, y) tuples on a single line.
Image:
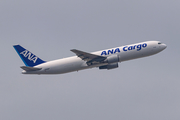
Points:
[(90, 58), (26, 68)]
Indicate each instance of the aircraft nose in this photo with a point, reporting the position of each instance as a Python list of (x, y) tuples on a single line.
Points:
[(164, 46)]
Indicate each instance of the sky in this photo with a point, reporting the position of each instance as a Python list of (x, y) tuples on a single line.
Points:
[(141, 89)]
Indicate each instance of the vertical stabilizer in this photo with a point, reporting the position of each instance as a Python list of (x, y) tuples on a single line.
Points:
[(27, 57)]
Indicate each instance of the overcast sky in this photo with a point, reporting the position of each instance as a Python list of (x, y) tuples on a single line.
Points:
[(141, 89)]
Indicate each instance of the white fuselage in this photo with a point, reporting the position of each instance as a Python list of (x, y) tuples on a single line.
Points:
[(127, 52)]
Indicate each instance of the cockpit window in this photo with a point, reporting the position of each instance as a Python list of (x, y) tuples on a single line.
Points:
[(159, 43)]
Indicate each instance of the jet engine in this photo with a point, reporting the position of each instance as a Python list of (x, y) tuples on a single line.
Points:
[(113, 59), (110, 66), (112, 62)]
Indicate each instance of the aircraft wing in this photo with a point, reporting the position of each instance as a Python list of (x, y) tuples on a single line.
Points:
[(26, 68), (90, 58)]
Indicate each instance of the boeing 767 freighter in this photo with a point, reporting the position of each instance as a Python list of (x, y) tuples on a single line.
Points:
[(104, 59)]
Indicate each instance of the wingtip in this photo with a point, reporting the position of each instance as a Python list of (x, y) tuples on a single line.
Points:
[(72, 50)]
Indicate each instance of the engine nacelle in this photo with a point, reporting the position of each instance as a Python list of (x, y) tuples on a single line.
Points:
[(113, 59), (110, 66)]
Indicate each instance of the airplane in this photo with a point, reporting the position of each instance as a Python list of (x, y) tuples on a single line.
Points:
[(104, 59)]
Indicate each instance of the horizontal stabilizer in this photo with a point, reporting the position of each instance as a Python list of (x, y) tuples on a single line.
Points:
[(30, 68)]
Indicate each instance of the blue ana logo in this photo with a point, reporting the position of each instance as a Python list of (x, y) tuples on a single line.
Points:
[(138, 47), (113, 51), (126, 48), (29, 55)]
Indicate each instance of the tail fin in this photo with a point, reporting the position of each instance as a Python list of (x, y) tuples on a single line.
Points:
[(27, 57)]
